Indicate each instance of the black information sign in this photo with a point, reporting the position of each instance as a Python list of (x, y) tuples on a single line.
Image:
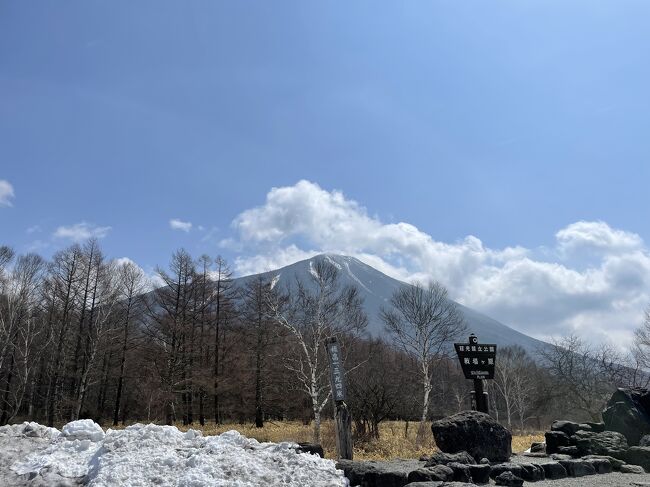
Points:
[(337, 374), (476, 359)]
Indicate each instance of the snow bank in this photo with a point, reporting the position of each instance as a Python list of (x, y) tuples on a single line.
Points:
[(29, 430), (143, 455)]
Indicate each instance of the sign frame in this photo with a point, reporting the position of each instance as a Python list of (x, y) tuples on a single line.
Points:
[(477, 360)]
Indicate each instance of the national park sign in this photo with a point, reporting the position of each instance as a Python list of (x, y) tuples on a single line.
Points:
[(477, 361)]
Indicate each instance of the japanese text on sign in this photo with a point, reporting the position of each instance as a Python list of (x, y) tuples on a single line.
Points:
[(337, 374)]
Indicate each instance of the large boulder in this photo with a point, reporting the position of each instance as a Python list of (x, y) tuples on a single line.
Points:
[(554, 471), (638, 455), (606, 443), (437, 472), (527, 471), (555, 440), (480, 473), (567, 427), (392, 473), (474, 432), (578, 468), (509, 479), (628, 412)]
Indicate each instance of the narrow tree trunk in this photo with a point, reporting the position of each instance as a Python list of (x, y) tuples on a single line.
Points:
[(421, 434), (317, 422), (259, 413), (5, 406)]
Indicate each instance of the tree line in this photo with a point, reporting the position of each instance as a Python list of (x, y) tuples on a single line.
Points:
[(84, 336)]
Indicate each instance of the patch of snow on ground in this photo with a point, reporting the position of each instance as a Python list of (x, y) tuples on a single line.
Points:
[(143, 455)]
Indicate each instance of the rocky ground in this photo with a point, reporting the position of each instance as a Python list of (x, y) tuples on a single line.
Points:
[(614, 479)]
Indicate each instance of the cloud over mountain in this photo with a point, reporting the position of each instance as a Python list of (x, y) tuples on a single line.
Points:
[(594, 280)]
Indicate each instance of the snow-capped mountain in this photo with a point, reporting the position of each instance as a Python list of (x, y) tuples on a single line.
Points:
[(376, 289)]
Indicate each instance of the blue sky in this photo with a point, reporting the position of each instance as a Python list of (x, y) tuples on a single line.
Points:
[(510, 122)]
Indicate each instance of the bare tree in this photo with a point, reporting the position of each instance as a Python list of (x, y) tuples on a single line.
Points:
[(104, 298), (131, 287), (424, 322), (20, 329), (584, 376), (256, 315), (513, 380), (65, 277), (311, 313), (169, 314), (375, 387), (222, 300)]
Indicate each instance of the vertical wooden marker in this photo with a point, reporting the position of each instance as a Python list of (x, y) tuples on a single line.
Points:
[(341, 412)]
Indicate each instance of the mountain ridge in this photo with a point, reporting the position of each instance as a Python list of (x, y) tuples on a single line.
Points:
[(376, 289)]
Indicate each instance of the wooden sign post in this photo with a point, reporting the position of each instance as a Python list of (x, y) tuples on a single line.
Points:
[(341, 412), (477, 361)]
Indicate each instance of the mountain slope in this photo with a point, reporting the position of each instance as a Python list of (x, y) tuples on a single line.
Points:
[(376, 289)]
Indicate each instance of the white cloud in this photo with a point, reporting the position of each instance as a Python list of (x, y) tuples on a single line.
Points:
[(6, 193), (176, 224), (271, 261), (598, 236), (559, 293), (81, 231)]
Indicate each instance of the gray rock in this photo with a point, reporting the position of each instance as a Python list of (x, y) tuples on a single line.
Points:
[(392, 473), (476, 433), (645, 440), (442, 458), (567, 427), (432, 483), (532, 472), (484, 461), (601, 465), (606, 443), (534, 455), (556, 439), (559, 456), (614, 462), (578, 468), (554, 471), (480, 473), (572, 451), (638, 455), (538, 447), (461, 472), (312, 448), (596, 427), (436, 472), (632, 469), (509, 479), (628, 412), (499, 468)]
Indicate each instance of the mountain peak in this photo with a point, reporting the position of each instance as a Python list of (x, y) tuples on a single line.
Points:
[(376, 289)]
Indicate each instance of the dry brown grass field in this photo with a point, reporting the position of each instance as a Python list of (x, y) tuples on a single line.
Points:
[(396, 441)]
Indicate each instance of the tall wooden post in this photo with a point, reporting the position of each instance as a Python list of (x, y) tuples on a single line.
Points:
[(480, 397), (342, 416)]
